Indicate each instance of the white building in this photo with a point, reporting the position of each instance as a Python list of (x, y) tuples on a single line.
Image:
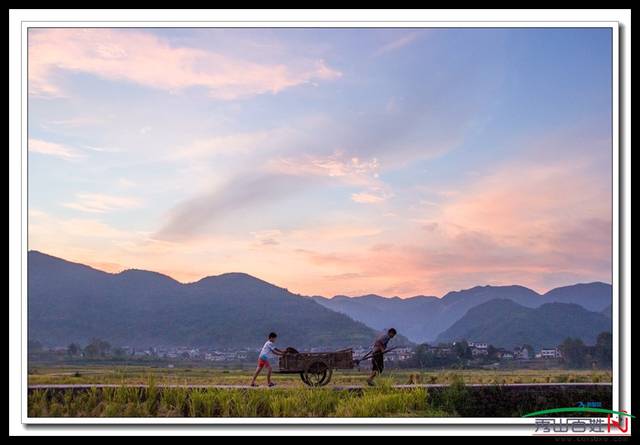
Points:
[(399, 354), (550, 353), (475, 351), (521, 353), (440, 351), (478, 345)]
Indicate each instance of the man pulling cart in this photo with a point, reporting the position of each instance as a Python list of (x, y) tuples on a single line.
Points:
[(377, 354), (316, 368)]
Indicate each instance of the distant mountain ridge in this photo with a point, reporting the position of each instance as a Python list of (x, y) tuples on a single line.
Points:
[(422, 318), (74, 302), (504, 323)]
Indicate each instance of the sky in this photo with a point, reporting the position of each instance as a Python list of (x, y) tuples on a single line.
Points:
[(399, 162)]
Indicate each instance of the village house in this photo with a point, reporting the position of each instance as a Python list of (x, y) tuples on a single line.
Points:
[(440, 351), (478, 348), (475, 351), (502, 353), (550, 353), (521, 353), (400, 354)]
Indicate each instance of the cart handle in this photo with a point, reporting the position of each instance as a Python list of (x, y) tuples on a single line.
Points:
[(369, 354)]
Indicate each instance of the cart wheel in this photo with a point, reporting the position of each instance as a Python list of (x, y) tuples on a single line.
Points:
[(303, 377), (317, 373), (328, 378)]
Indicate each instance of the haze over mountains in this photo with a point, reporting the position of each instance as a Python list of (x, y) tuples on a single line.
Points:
[(73, 302), (422, 318)]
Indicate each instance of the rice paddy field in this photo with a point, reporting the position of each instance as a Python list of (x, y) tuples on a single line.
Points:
[(132, 374), (346, 395), (215, 402)]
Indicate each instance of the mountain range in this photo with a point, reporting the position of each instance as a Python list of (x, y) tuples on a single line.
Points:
[(423, 318), (73, 302)]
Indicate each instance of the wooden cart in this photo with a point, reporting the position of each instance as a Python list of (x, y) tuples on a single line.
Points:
[(316, 368)]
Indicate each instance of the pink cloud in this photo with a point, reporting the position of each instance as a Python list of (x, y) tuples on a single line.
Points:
[(374, 196), (145, 59), (527, 205), (541, 225), (541, 222), (350, 170), (538, 226), (53, 149), (101, 203)]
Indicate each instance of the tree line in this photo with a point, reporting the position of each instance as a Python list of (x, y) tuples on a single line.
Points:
[(575, 354), (96, 348), (578, 355)]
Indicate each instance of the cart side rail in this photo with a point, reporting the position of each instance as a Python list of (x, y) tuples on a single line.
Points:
[(300, 361)]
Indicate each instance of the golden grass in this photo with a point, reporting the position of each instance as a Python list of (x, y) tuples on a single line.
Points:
[(96, 374)]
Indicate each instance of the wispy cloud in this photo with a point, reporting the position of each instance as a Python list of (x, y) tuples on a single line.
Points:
[(101, 203), (53, 149), (333, 232), (277, 179), (190, 217), (267, 237), (398, 43), (145, 59), (125, 183), (346, 170), (344, 276), (374, 196), (71, 231), (233, 144), (351, 170), (103, 149), (75, 122)]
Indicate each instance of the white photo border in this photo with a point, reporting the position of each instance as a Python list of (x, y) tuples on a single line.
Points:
[(265, 19)]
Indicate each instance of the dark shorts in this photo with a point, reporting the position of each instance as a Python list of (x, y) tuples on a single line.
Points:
[(377, 362)]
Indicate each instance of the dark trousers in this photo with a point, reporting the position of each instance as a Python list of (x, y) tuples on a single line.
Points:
[(377, 362)]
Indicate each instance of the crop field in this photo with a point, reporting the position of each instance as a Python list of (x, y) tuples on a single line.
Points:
[(215, 402), (94, 374), (346, 396)]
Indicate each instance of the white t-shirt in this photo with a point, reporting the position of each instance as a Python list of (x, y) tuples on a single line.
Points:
[(267, 350)]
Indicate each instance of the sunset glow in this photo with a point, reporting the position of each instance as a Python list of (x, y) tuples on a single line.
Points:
[(327, 161)]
